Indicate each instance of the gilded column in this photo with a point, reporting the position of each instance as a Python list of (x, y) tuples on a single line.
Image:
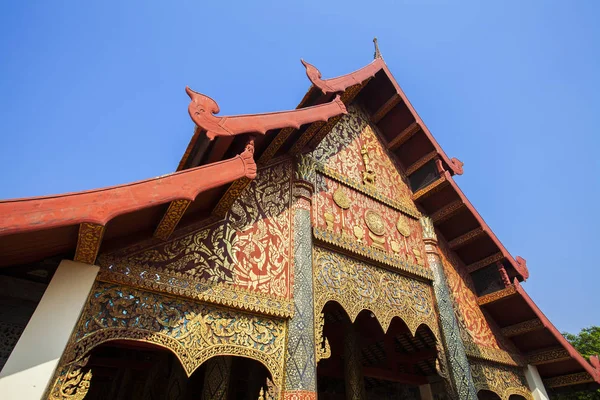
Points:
[(216, 378), (458, 364), (300, 363), (353, 376)]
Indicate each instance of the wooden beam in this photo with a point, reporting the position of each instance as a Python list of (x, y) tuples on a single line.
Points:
[(386, 107), (404, 136), (433, 187), (466, 238), (169, 221), (568, 380), (547, 356), (447, 212), (485, 262), (499, 295), (420, 162), (88, 242), (522, 327)]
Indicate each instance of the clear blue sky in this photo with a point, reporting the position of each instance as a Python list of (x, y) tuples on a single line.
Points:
[(92, 94)]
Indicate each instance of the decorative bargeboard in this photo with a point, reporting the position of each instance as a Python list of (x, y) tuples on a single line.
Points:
[(193, 331), (241, 261)]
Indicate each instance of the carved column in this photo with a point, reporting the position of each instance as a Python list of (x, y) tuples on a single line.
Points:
[(216, 378), (300, 363), (458, 364), (353, 376)]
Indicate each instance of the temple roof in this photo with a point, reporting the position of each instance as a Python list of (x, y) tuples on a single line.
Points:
[(79, 225)]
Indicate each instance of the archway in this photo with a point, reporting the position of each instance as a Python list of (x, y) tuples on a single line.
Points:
[(487, 395), (136, 370), (392, 364)]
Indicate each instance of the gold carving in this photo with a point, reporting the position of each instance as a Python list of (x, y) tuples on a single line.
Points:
[(375, 222), (359, 233), (368, 174), (341, 199), (500, 294), (275, 145), (522, 327), (329, 220), (430, 189), (377, 241), (396, 247), (447, 211), (420, 162), (358, 286), (547, 356), (503, 380), (193, 331), (568, 380), (466, 238), (233, 192), (73, 384), (403, 227), (88, 242), (323, 351), (171, 218), (418, 257), (374, 254), (407, 208)]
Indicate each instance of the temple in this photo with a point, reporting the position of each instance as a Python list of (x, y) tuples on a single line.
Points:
[(322, 252)]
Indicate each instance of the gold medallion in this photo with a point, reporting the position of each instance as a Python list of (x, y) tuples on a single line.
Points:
[(375, 222), (403, 227), (341, 199)]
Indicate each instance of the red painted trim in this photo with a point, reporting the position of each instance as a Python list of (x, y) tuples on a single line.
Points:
[(202, 108), (593, 371), (341, 83), (520, 265), (101, 205)]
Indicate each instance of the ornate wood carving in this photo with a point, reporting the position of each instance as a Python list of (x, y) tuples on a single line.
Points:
[(341, 83), (485, 262), (430, 189), (466, 238), (88, 242), (171, 218), (546, 356), (499, 295), (202, 108), (447, 212), (522, 327), (502, 380), (568, 380), (386, 108), (420, 162)]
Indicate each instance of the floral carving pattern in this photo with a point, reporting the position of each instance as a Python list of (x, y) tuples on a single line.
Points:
[(341, 152), (357, 286), (502, 380), (481, 337), (194, 332), (249, 250)]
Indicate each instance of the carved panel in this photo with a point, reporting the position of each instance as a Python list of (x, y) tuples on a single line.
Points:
[(193, 331), (500, 379), (357, 286), (344, 151), (367, 222), (242, 260), (482, 338)]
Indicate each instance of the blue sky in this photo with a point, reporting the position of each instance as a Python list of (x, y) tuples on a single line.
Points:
[(92, 94)]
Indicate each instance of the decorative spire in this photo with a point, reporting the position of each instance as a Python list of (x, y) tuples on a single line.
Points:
[(377, 52)]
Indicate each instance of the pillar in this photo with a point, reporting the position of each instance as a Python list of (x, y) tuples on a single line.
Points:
[(300, 363), (353, 373), (458, 364), (536, 385), (216, 378), (426, 392), (31, 364)]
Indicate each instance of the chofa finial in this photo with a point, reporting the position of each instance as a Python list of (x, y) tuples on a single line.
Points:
[(377, 52)]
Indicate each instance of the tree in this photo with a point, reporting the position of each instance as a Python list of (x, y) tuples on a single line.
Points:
[(587, 343)]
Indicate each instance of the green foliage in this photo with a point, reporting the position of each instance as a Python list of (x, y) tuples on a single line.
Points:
[(587, 342)]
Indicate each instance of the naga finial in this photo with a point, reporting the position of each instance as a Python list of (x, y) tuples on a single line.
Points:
[(377, 52)]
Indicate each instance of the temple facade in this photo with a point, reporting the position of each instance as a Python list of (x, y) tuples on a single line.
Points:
[(323, 252)]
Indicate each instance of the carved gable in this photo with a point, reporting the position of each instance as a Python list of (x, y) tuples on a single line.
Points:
[(242, 260)]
